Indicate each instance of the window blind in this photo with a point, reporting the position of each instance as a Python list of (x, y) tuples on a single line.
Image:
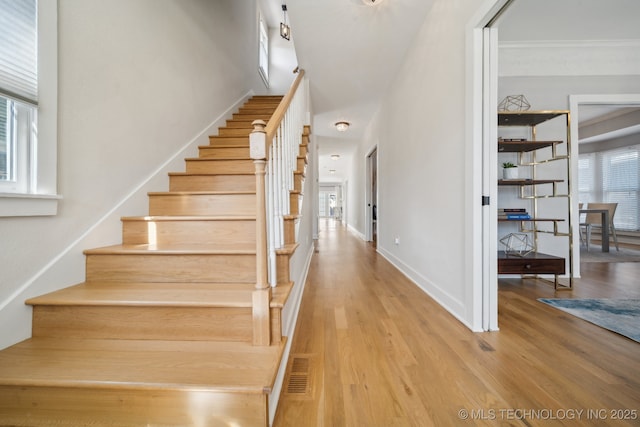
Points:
[(619, 168), (613, 176), (586, 178), (18, 50)]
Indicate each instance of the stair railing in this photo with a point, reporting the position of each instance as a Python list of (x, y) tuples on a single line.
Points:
[(274, 148)]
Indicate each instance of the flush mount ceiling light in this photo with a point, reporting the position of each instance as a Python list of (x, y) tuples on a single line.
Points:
[(342, 126), (372, 2), (335, 156), (285, 29)]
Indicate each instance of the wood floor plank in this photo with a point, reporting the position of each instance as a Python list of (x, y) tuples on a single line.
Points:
[(389, 355)]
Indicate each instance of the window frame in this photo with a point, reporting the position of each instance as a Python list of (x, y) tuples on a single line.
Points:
[(41, 198), (263, 42)]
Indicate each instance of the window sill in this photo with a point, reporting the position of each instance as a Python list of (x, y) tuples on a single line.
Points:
[(28, 204)]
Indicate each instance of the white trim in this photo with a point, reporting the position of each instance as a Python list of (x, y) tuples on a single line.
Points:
[(368, 212), (573, 44), (449, 303), (481, 283), (490, 187), (352, 229), (28, 204)]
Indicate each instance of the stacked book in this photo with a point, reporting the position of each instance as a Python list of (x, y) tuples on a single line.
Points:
[(513, 213)]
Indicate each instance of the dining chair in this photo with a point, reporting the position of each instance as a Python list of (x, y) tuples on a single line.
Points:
[(581, 222), (594, 220)]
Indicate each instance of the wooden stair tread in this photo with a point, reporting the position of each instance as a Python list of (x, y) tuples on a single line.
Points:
[(212, 173), (225, 146), (288, 249), (239, 138), (215, 159), (187, 193), (151, 294), (176, 249), (280, 294), (141, 364), (191, 218)]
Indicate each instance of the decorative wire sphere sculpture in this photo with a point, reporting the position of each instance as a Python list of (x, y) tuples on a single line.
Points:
[(514, 103), (517, 244)]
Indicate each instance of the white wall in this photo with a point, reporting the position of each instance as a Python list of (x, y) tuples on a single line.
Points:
[(139, 81), (420, 134)]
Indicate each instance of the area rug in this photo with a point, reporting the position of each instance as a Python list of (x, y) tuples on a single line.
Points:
[(595, 254), (618, 315)]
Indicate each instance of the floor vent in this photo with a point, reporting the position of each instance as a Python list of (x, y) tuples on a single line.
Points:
[(298, 380)]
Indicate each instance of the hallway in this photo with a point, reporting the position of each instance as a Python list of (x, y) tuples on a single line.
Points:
[(371, 349)]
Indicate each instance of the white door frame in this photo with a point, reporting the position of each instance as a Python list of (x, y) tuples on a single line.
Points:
[(575, 101), (368, 217), (482, 76)]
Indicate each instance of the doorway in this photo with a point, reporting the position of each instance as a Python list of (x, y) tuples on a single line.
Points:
[(327, 202), (372, 197)]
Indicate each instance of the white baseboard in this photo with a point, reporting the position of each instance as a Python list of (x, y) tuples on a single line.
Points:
[(449, 303), (356, 232)]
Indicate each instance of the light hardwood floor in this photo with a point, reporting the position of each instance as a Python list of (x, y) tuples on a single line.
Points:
[(377, 351)]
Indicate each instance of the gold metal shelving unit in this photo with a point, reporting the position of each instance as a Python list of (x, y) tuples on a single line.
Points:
[(528, 150)]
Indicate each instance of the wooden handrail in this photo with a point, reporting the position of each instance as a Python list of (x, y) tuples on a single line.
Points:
[(278, 114)]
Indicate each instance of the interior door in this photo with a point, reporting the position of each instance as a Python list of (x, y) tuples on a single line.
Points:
[(373, 195)]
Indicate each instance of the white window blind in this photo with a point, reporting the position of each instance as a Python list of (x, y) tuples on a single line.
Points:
[(18, 50), (620, 184), (616, 175), (586, 178)]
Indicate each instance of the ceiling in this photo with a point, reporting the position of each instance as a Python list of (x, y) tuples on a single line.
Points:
[(351, 50)]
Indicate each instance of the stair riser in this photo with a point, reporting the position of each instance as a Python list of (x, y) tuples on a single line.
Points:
[(171, 268), (302, 164), (289, 228), (143, 323), (212, 183), (295, 199), (228, 140), (188, 231), (298, 182), (237, 123), (217, 152), (84, 406), (266, 110), (235, 131), (283, 268), (220, 166), (268, 101), (304, 150), (251, 116), (202, 204)]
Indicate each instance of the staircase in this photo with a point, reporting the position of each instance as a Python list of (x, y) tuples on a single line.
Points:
[(160, 333)]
